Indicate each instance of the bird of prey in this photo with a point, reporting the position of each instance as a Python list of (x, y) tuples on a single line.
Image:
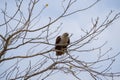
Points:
[(61, 44)]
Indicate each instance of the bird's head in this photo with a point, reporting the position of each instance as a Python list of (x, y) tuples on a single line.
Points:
[(65, 34)]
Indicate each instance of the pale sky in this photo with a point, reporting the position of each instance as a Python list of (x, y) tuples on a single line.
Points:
[(74, 23)]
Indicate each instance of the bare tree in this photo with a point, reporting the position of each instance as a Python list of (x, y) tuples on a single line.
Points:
[(26, 45)]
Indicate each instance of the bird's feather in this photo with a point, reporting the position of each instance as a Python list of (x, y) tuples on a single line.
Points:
[(61, 45)]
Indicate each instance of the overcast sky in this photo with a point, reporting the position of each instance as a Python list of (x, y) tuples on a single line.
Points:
[(74, 23)]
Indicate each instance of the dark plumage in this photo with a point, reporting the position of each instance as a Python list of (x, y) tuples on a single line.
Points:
[(61, 44)]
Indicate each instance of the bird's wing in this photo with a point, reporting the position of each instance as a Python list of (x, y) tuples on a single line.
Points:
[(57, 40), (68, 41), (58, 47)]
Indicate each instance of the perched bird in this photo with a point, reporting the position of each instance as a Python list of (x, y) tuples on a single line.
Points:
[(61, 44)]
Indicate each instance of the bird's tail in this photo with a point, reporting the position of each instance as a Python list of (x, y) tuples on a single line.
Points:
[(58, 53)]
